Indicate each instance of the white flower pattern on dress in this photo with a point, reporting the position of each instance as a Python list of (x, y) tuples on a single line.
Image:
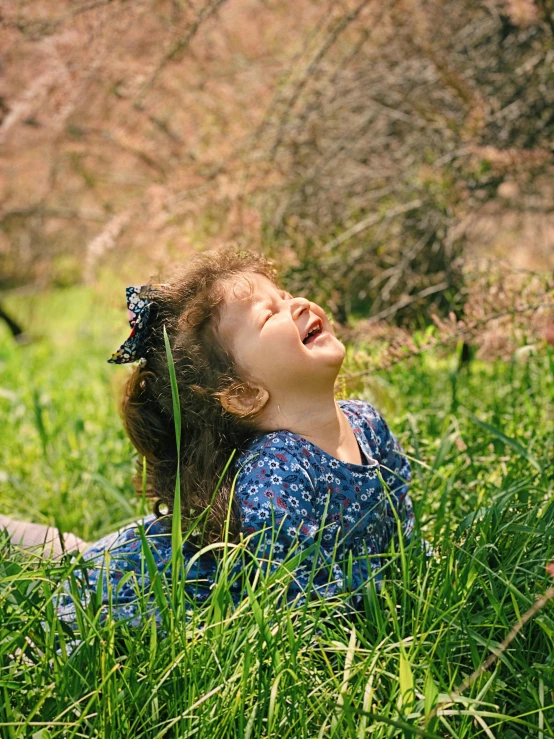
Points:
[(294, 498)]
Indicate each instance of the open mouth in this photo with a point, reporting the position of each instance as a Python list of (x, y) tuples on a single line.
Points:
[(312, 333)]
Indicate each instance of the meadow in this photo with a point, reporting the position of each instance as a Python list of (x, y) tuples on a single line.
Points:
[(480, 437)]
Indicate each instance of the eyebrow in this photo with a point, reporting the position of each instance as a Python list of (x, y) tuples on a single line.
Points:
[(253, 301)]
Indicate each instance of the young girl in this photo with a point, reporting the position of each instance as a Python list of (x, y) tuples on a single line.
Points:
[(256, 370)]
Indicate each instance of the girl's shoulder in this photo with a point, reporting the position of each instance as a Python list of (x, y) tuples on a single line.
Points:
[(274, 451), (362, 410), (281, 442), (366, 420), (284, 449)]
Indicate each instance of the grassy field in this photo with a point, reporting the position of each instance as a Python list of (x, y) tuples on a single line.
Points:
[(481, 440)]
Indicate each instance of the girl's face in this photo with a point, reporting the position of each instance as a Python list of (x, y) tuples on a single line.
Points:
[(265, 330)]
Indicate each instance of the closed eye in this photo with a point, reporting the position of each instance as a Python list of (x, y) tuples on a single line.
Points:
[(285, 295)]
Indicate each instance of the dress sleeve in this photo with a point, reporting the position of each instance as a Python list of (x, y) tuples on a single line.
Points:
[(397, 475), (113, 573), (397, 471), (394, 466), (279, 508)]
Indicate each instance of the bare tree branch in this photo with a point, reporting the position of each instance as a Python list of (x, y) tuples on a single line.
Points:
[(207, 11)]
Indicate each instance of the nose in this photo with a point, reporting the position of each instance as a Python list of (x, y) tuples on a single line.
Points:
[(299, 306)]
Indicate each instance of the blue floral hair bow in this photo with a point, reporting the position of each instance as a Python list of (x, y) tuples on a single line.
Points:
[(139, 300)]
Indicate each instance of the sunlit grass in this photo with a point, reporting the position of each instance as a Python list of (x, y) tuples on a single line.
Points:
[(482, 489)]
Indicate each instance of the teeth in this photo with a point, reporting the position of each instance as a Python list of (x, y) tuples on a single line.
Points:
[(313, 331)]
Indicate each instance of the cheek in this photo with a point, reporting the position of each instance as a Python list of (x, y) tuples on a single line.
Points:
[(281, 338), (276, 349), (256, 355), (267, 351), (244, 360)]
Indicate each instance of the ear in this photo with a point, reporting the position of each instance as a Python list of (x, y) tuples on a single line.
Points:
[(244, 400)]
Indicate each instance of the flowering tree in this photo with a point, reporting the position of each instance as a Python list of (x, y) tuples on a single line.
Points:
[(367, 146)]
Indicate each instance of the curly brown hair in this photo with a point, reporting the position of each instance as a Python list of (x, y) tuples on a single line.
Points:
[(207, 379)]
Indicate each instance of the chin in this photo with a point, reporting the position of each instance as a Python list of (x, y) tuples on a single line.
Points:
[(341, 354)]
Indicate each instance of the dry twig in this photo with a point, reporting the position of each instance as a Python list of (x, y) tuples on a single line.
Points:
[(539, 603)]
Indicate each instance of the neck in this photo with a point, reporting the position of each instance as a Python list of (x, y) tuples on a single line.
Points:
[(317, 418)]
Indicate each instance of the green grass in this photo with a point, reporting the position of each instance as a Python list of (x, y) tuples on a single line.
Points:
[(482, 489)]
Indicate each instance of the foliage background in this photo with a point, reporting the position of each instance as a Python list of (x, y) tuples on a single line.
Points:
[(480, 438), (373, 145), (395, 159)]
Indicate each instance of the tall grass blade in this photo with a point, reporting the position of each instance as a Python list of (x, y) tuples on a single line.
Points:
[(177, 578), (406, 681), (512, 443)]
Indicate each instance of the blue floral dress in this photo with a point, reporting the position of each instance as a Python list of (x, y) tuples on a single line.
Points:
[(295, 499)]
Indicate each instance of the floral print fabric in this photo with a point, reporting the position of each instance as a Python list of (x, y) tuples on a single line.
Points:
[(296, 500), (305, 493)]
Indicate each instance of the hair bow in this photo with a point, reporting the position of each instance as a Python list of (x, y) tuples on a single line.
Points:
[(139, 300)]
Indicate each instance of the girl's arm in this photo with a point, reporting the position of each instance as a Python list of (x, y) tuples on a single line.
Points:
[(397, 472), (395, 467), (278, 504)]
